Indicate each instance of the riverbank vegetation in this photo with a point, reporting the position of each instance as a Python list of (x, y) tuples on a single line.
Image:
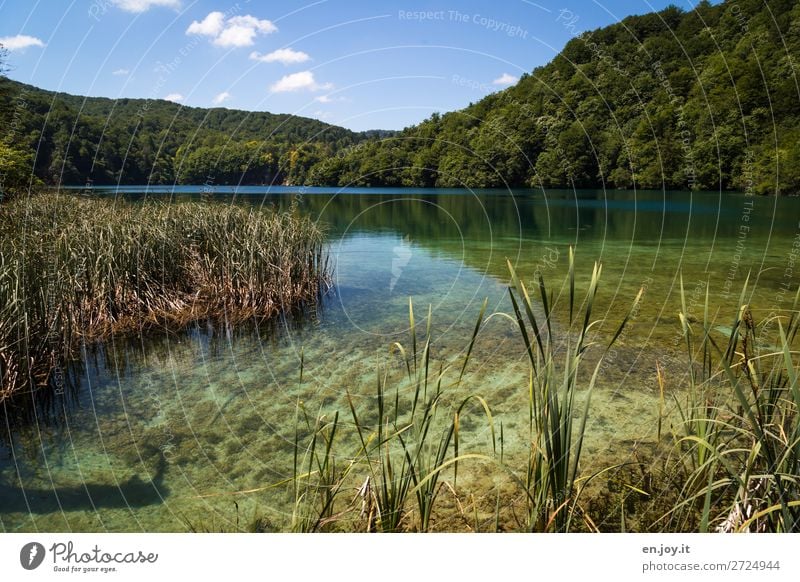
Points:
[(727, 461), (76, 270)]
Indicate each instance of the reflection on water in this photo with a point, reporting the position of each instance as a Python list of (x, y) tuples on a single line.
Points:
[(164, 432)]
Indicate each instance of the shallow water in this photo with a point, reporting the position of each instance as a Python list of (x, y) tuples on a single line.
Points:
[(165, 433)]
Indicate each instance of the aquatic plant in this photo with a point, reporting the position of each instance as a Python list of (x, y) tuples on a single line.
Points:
[(740, 454), (406, 450), (409, 447), (552, 481), (400, 456), (76, 269)]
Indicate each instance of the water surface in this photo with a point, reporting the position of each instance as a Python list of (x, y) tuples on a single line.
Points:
[(165, 433)]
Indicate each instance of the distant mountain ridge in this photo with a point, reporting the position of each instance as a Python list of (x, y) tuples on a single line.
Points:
[(136, 141)]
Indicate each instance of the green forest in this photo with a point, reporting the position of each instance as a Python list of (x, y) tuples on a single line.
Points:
[(703, 99), (73, 140)]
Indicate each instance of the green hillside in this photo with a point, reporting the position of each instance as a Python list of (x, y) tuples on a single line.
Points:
[(136, 141), (706, 99)]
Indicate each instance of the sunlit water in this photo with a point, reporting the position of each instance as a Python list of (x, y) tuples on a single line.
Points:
[(165, 433)]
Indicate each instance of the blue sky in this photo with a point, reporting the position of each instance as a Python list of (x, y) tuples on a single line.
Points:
[(357, 63)]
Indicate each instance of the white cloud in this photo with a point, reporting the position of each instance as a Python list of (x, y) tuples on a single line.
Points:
[(264, 26), (302, 81), (120, 72), (211, 25), (19, 42), (329, 99), (323, 115), (138, 6), (231, 32), (221, 98), (286, 56), (505, 79), (174, 97)]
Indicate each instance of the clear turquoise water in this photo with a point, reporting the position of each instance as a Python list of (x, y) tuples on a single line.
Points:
[(166, 432)]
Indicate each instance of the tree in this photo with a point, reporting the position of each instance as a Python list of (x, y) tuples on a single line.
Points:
[(15, 170), (15, 165), (677, 99)]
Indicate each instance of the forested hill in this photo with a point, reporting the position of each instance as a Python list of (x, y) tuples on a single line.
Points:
[(706, 99), (137, 141), (701, 99)]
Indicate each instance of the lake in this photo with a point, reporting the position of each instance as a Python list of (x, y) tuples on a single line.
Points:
[(196, 430)]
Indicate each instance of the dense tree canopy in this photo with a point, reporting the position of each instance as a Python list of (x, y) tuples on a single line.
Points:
[(79, 140), (705, 99), (15, 162)]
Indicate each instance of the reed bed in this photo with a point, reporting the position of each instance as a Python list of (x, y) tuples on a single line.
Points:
[(408, 454), (76, 269), (738, 456), (729, 460)]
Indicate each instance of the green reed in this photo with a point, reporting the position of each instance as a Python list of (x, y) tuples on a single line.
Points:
[(738, 438), (75, 269), (552, 480), (742, 462), (317, 478), (412, 441), (406, 450), (400, 454)]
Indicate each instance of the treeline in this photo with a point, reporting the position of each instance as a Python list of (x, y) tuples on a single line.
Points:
[(65, 139), (705, 99)]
